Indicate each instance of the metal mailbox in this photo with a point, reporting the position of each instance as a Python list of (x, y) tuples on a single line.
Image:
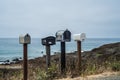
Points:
[(63, 35), (59, 35), (48, 40), (26, 39), (79, 37), (67, 36)]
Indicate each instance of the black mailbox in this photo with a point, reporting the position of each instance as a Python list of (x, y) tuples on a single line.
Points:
[(67, 35), (48, 40), (63, 35)]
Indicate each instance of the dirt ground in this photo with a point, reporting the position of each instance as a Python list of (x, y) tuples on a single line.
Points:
[(103, 76)]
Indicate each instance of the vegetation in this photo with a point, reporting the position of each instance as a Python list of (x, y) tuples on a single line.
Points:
[(52, 73), (94, 62)]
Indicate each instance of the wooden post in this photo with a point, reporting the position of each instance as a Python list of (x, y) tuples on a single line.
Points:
[(48, 56), (79, 55), (25, 61), (63, 58)]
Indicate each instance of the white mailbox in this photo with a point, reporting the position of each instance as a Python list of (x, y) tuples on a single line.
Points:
[(24, 39), (79, 37), (59, 35)]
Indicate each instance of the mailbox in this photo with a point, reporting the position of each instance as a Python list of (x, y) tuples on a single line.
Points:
[(24, 39), (63, 35), (67, 36), (48, 40), (59, 35), (79, 37)]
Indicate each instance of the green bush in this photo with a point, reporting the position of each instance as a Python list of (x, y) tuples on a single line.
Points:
[(115, 66), (47, 75), (42, 75)]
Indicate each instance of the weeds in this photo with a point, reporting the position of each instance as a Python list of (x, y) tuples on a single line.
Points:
[(115, 66), (47, 75), (89, 66)]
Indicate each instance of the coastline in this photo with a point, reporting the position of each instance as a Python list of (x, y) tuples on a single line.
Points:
[(97, 61), (14, 50)]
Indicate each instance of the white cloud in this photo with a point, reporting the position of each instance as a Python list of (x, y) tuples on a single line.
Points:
[(41, 16)]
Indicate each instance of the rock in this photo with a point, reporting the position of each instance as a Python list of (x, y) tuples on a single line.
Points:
[(16, 60), (20, 57), (7, 62)]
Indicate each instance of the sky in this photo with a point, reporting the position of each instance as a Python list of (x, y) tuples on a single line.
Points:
[(41, 18)]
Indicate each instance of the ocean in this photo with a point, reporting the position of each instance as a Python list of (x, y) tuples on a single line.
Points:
[(11, 49)]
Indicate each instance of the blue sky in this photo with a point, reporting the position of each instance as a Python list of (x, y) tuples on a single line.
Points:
[(39, 18)]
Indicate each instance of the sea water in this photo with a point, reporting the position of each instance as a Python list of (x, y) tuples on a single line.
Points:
[(11, 49)]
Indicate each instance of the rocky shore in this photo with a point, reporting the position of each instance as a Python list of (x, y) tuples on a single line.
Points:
[(98, 60)]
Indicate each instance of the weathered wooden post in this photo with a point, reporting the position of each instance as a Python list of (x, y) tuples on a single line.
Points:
[(48, 56), (25, 40), (79, 54), (47, 42), (63, 36), (79, 38)]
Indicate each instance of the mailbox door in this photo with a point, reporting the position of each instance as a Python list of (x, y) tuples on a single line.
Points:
[(82, 37), (67, 36), (59, 38), (27, 40)]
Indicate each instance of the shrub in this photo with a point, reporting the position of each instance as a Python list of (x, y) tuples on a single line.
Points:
[(115, 66)]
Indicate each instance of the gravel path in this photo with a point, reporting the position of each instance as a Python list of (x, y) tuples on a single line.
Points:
[(10, 67), (103, 76), (99, 78)]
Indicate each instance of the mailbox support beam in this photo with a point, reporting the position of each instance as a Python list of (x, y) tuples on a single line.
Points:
[(79, 55), (48, 56), (63, 58), (25, 61)]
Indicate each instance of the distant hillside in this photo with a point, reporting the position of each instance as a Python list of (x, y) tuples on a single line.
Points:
[(104, 52)]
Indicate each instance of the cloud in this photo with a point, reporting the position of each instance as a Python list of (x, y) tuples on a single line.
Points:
[(48, 16)]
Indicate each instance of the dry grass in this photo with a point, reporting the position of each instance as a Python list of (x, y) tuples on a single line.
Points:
[(37, 68)]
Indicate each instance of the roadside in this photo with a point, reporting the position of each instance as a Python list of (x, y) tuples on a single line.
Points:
[(99, 60), (11, 66), (103, 76)]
